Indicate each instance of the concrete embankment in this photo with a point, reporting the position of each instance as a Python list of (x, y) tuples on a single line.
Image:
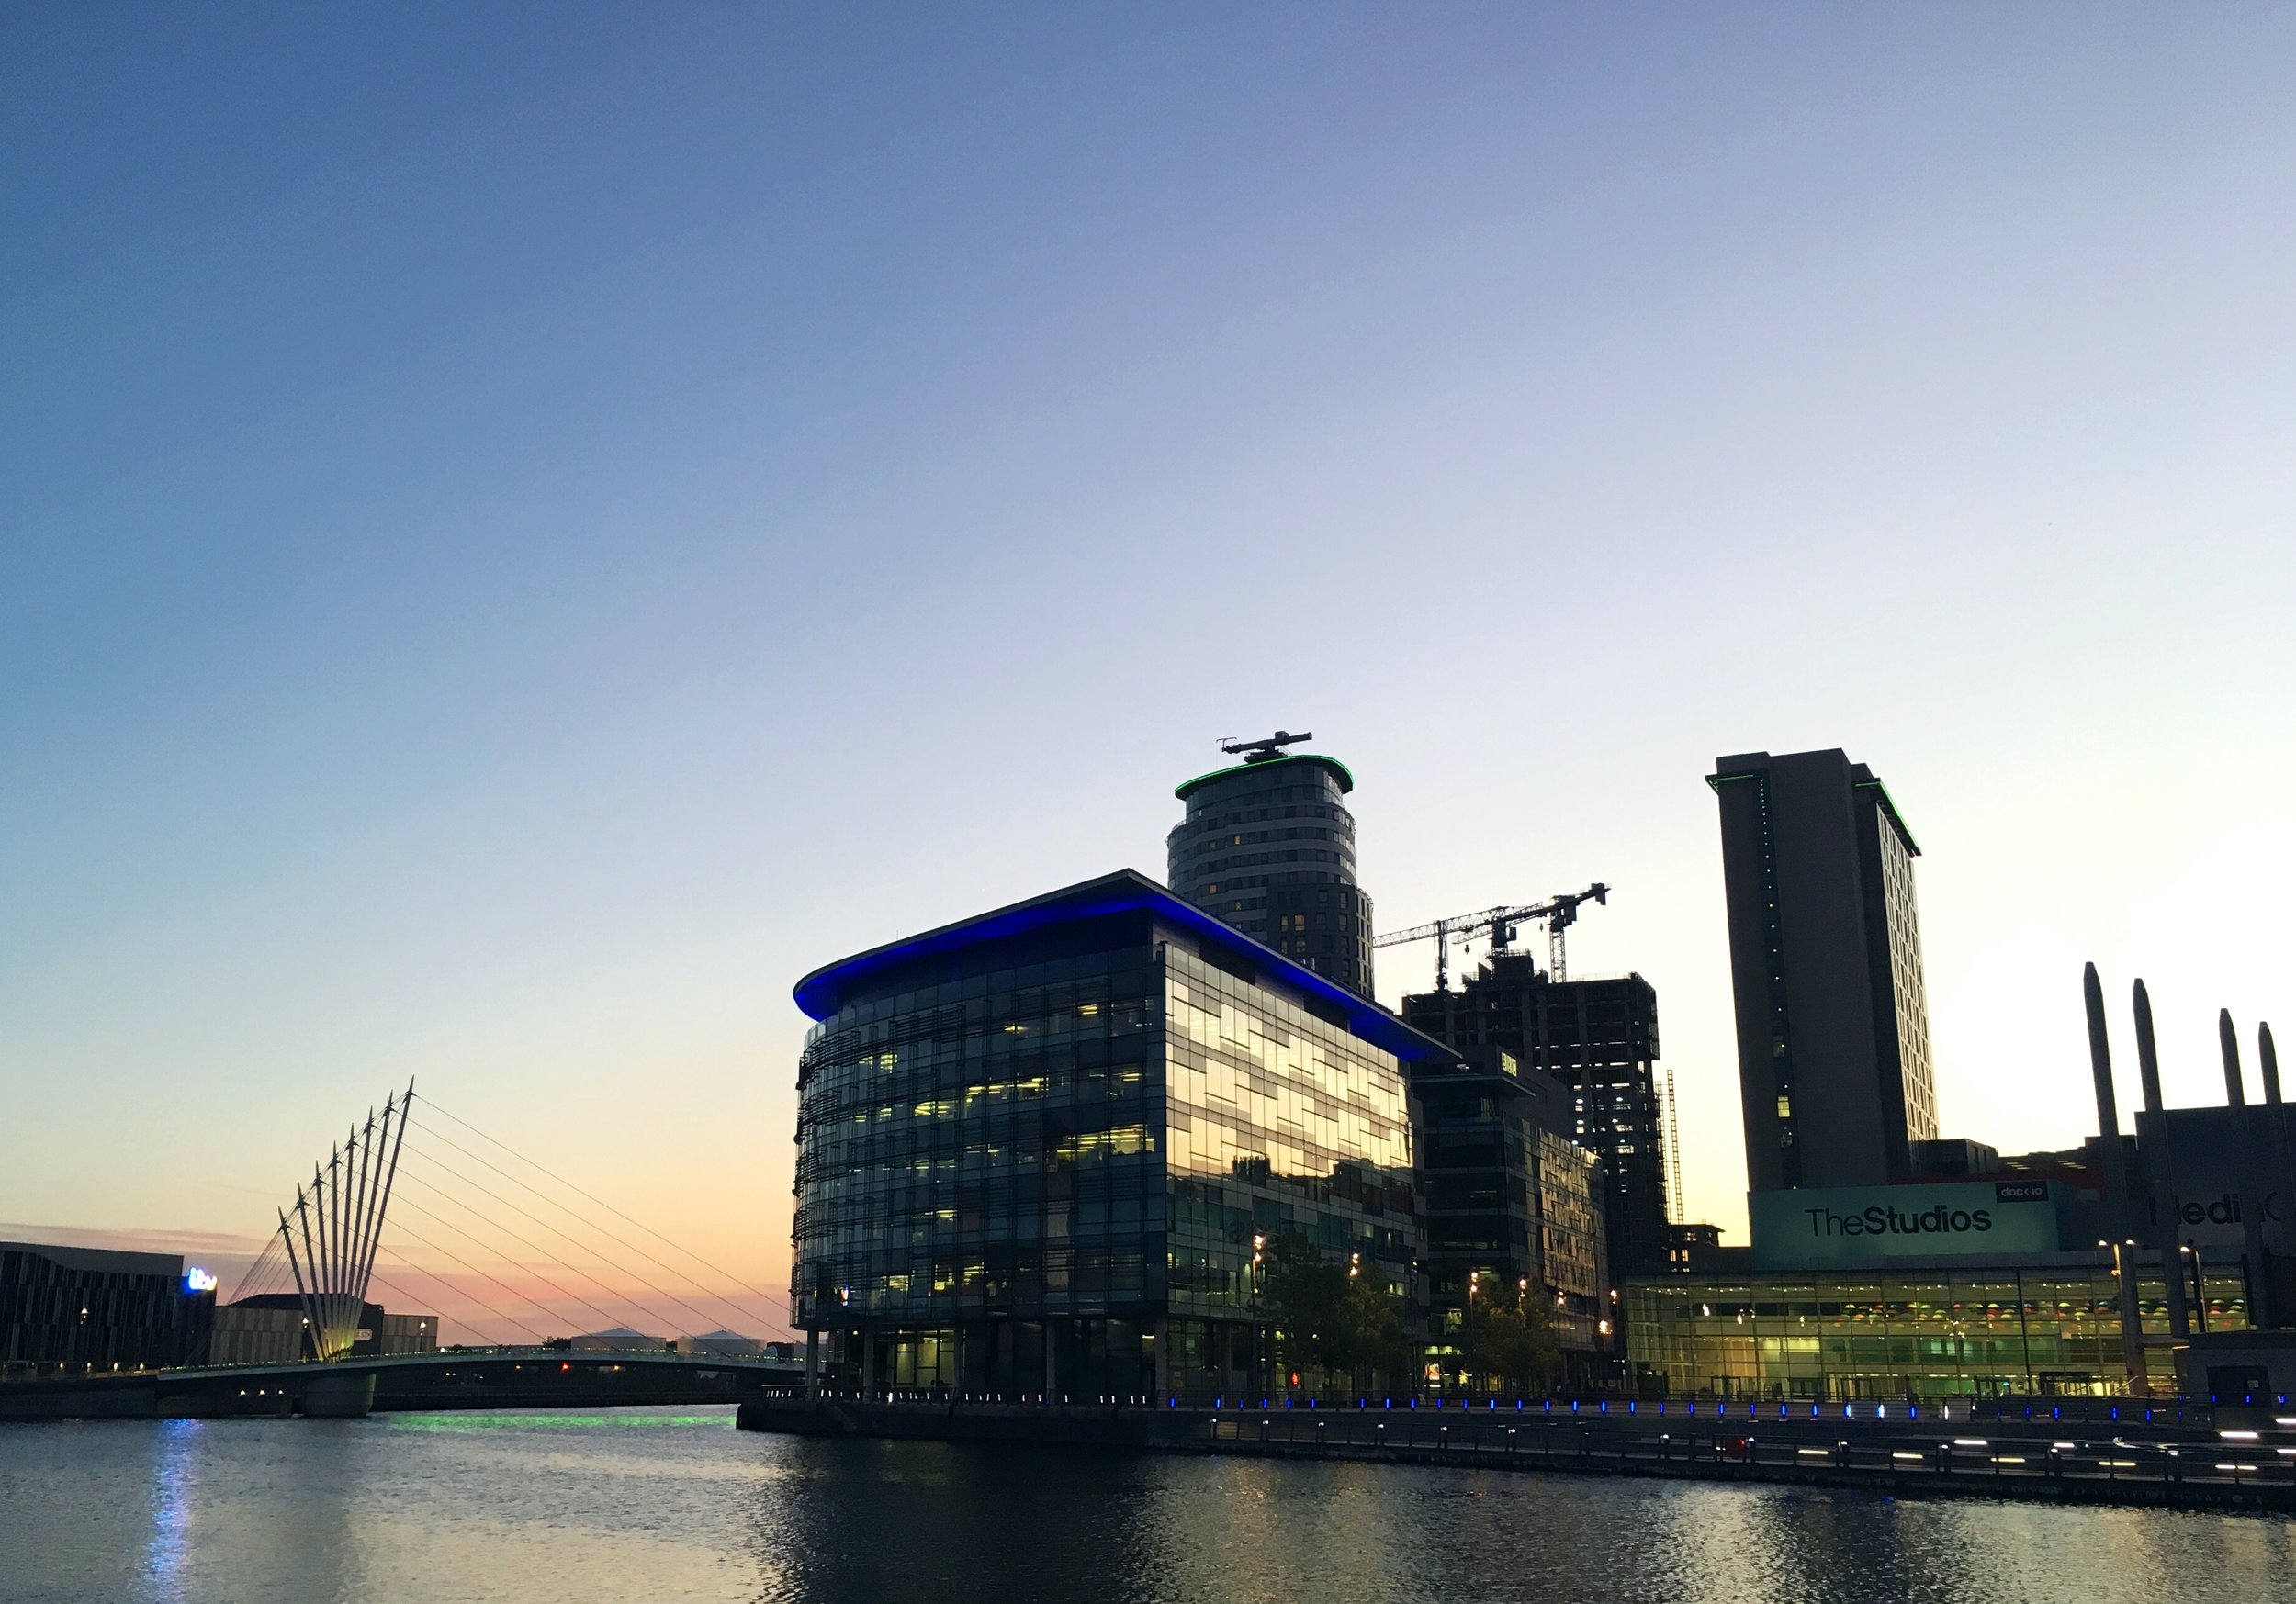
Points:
[(2136, 1465)]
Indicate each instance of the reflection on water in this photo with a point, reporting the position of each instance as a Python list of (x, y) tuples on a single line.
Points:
[(174, 1463), (676, 1505)]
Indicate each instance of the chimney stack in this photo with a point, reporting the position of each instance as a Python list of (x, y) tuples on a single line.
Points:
[(2228, 1042), (2162, 1173), (2100, 1066)]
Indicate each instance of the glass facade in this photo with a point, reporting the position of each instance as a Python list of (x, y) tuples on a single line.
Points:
[(1900, 944), (1903, 1334), (1600, 1039), (1507, 1199), (1036, 1164)]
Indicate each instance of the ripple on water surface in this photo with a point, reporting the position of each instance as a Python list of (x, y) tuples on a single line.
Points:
[(674, 1505)]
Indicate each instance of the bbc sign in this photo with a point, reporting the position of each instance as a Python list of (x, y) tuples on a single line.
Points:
[(1843, 1227)]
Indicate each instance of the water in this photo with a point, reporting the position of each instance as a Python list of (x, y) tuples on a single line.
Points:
[(672, 1505)]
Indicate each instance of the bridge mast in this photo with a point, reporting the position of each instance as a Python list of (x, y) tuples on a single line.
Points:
[(349, 1196)]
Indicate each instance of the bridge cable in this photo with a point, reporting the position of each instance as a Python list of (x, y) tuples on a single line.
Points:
[(517, 1296), (766, 1297), (267, 1263), (611, 1319), (641, 1225), (455, 1292), (720, 1298), (651, 1314), (646, 1313)]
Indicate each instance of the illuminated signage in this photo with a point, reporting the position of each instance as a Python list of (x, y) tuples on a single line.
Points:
[(198, 1280), (1816, 1227)]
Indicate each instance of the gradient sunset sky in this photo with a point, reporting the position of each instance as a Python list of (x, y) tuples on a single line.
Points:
[(524, 529)]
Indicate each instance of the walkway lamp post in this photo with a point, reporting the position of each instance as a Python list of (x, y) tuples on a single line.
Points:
[(1467, 1381), (1259, 1329)]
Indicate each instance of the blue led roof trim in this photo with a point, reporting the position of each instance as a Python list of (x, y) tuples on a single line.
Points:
[(823, 992)]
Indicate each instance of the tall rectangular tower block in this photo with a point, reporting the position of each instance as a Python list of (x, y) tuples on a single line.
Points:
[(1833, 1034)]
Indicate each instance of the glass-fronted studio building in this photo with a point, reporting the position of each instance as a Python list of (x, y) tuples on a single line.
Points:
[(1036, 1148), (1940, 1330), (1926, 1290)]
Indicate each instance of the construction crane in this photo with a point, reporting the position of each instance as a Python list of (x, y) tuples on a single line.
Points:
[(1558, 914)]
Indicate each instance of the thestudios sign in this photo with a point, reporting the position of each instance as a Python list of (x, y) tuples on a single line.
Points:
[(1857, 1225)]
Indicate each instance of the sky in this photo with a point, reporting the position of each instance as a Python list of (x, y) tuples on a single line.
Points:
[(525, 529)]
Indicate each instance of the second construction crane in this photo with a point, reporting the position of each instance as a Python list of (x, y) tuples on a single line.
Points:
[(1500, 924)]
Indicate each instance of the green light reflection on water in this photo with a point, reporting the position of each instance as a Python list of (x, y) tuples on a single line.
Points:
[(524, 1422)]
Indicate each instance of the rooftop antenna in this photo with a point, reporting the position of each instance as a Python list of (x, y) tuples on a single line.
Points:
[(1266, 749)]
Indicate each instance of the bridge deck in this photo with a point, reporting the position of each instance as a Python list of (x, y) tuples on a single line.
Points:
[(490, 1378)]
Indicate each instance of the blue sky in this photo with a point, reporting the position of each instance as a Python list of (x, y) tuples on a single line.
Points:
[(524, 529)]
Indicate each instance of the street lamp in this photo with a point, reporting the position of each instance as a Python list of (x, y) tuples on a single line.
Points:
[(1468, 1333)]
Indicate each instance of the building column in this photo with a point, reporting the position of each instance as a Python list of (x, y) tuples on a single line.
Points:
[(2162, 1175), (869, 1359), (1164, 1360), (812, 1366), (1051, 1364), (2132, 1320)]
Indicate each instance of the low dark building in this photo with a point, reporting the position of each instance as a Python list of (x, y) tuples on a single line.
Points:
[(65, 1310), (1695, 1248), (1040, 1149), (271, 1328), (1510, 1203), (1600, 1039), (1952, 1156)]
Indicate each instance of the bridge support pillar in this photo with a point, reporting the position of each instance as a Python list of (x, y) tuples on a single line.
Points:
[(339, 1397)]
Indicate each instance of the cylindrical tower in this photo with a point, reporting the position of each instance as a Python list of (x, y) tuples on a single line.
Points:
[(1269, 846)]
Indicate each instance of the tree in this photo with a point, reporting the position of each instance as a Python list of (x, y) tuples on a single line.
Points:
[(1332, 1317), (1510, 1340), (1374, 1337)]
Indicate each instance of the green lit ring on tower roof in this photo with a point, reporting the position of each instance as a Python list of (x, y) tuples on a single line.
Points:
[(1346, 780)]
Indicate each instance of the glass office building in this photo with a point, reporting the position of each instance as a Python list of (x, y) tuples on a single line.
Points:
[(1910, 1331), (1508, 1200), (1037, 1148)]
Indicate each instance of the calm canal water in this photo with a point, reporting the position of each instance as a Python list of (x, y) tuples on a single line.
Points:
[(666, 1505)]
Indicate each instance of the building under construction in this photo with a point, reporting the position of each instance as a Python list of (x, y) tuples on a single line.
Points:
[(1600, 1039)]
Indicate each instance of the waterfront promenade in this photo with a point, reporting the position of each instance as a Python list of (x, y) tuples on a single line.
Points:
[(2102, 1451)]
